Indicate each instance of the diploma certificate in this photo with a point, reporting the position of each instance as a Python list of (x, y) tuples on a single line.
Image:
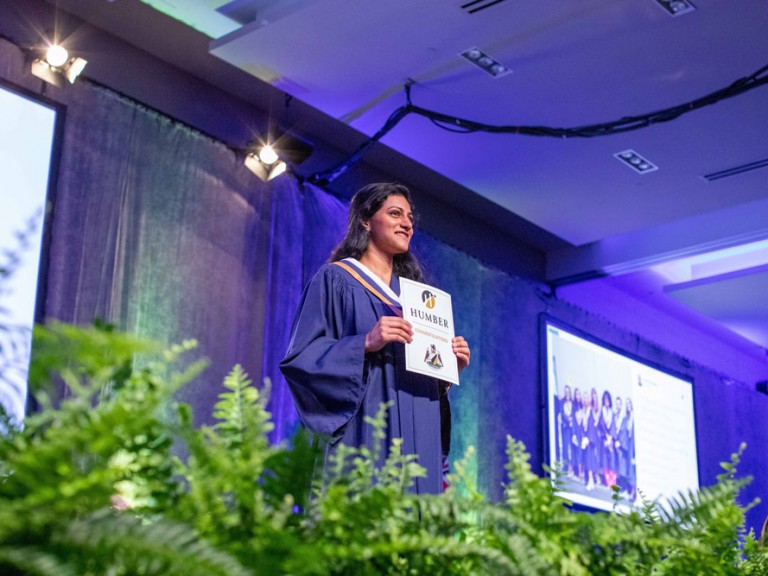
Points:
[(430, 312)]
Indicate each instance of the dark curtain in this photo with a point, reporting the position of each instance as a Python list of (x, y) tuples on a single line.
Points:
[(161, 231)]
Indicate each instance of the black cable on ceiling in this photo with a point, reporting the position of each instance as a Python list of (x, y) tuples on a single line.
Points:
[(465, 126)]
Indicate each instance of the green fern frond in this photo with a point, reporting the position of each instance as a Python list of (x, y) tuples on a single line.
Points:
[(379, 425), (460, 480), (108, 540), (242, 414), (33, 561)]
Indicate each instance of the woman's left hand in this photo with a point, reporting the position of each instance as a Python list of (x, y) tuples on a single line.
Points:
[(461, 349)]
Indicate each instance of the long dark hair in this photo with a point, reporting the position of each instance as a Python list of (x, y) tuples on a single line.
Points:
[(365, 203)]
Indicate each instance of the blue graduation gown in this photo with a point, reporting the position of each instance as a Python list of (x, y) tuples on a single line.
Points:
[(335, 384)]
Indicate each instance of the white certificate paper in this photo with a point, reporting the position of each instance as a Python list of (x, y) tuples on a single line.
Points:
[(430, 312)]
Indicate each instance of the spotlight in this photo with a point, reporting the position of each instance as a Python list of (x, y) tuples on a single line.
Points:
[(264, 171), (485, 62), (269, 158), (57, 65), (57, 56), (268, 155), (635, 161)]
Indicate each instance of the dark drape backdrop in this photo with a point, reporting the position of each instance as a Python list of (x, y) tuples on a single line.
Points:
[(162, 231)]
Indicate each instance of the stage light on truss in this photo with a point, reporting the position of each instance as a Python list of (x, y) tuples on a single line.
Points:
[(57, 65), (265, 172), (268, 155), (56, 56), (268, 158)]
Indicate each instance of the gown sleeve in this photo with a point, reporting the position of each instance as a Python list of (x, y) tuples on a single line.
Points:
[(325, 361)]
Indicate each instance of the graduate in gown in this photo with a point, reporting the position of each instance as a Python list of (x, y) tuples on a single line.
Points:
[(607, 430), (592, 443), (567, 419), (626, 438), (346, 355)]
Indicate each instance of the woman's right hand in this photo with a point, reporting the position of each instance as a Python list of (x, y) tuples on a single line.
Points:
[(388, 329)]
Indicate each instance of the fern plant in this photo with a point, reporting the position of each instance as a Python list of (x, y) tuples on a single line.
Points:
[(232, 496), (93, 485), (104, 446)]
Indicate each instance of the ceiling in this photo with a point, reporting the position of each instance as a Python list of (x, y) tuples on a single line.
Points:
[(568, 65)]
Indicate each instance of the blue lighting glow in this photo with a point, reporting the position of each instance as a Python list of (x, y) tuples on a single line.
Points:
[(716, 263)]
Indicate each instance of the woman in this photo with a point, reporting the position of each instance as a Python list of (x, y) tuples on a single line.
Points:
[(566, 430), (591, 441), (627, 438), (622, 445), (607, 441), (578, 434), (346, 354)]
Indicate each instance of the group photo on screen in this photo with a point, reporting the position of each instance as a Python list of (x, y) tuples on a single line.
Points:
[(595, 442), (620, 430)]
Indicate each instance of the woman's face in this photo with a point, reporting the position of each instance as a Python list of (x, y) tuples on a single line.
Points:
[(391, 227)]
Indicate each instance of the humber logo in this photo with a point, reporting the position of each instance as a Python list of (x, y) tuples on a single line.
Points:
[(430, 301)]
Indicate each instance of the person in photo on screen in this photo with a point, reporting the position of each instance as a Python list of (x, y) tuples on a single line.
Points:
[(556, 400), (620, 424), (591, 441), (625, 449), (607, 439), (346, 355), (566, 430), (579, 425)]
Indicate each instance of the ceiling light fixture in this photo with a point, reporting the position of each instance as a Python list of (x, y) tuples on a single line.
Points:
[(636, 162), (485, 62), (264, 171), (57, 65), (270, 157), (676, 7)]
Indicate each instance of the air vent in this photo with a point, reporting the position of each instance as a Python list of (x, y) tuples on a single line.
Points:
[(736, 170), (478, 5)]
